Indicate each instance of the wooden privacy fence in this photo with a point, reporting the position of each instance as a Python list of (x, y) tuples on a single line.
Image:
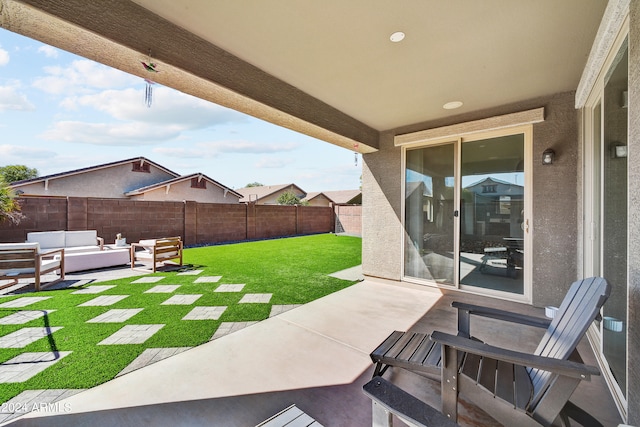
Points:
[(197, 223)]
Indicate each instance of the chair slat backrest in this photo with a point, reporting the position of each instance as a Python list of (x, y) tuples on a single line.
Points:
[(578, 310)]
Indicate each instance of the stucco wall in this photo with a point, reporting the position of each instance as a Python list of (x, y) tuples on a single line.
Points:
[(633, 337), (183, 191), (110, 182), (554, 222)]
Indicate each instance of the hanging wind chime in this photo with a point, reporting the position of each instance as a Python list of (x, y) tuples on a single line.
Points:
[(355, 146), (148, 93)]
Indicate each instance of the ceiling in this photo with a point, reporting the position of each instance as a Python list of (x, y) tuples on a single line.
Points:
[(483, 53), (329, 65)]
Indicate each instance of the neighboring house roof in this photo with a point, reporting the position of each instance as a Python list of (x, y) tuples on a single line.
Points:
[(345, 197), (252, 194), (89, 169), (157, 185), (340, 197)]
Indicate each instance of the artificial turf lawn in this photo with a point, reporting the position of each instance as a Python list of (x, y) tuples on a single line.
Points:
[(295, 270)]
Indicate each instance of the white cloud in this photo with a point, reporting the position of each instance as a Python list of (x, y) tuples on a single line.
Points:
[(19, 151), (81, 76), (169, 107), (119, 134), (48, 51), (11, 99), (214, 149), (4, 57), (273, 163), (241, 146)]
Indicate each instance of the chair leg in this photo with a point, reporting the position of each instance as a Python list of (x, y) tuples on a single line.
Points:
[(380, 417)]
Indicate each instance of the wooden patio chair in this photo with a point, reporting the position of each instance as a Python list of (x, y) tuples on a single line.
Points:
[(156, 251), (515, 388), (24, 260)]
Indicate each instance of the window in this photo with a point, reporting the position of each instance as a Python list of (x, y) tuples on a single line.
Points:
[(489, 188), (140, 167), (198, 183)]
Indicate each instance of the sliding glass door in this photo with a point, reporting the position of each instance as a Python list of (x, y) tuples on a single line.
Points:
[(606, 213), (465, 213)]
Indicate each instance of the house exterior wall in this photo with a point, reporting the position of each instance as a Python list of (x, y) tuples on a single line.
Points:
[(320, 200), (554, 224), (110, 182), (633, 337), (183, 191)]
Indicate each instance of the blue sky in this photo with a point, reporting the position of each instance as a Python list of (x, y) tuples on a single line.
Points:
[(60, 112)]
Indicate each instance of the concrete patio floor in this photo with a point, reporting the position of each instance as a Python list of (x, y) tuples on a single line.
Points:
[(315, 356)]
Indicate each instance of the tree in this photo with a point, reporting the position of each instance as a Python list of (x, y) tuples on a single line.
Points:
[(254, 184), (9, 206), (289, 198), (13, 173)]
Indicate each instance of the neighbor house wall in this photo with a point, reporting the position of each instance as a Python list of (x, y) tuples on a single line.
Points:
[(320, 200), (554, 220), (182, 190), (111, 182)]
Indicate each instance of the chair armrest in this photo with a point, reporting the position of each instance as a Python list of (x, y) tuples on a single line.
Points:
[(404, 405), (558, 366), (100, 242), (494, 313), (52, 252)]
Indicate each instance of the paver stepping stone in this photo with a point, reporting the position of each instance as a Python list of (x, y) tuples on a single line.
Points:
[(103, 300), (229, 288), (22, 302), (153, 279), (93, 289), (255, 298), (25, 336), (208, 279), (81, 282), (227, 328), (33, 400), (151, 355), (279, 309), (116, 315), (131, 334), (26, 365), (190, 273), (181, 300), (22, 317), (162, 289), (205, 313)]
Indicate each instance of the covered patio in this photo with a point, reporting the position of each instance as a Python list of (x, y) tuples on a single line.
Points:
[(525, 78), (315, 356)]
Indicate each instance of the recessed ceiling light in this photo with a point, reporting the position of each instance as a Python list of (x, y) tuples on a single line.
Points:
[(452, 105), (396, 37)]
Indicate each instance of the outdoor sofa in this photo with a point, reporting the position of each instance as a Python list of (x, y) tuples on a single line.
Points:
[(70, 241), (83, 249)]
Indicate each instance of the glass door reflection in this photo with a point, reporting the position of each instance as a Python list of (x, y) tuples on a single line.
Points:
[(492, 214), (429, 208)]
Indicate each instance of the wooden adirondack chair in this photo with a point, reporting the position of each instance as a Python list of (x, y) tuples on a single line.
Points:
[(515, 388)]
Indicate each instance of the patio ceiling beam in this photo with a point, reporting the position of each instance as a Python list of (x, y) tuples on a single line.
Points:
[(120, 34)]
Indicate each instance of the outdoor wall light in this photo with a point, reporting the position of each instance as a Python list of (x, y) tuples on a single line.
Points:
[(548, 156)]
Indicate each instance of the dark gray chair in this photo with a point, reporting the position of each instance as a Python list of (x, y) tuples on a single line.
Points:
[(515, 388)]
